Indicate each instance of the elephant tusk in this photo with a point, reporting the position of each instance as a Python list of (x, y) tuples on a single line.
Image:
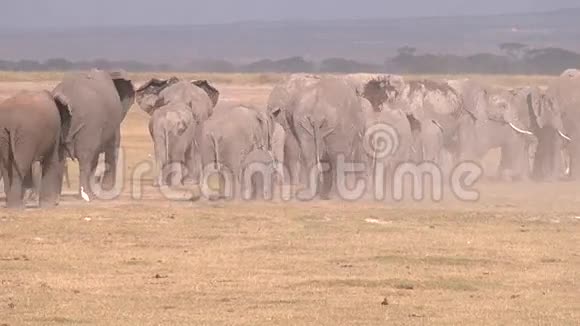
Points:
[(563, 135), (84, 195), (525, 132)]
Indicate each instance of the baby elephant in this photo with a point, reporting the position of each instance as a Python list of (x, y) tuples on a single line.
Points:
[(172, 128), (32, 126), (259, 175)]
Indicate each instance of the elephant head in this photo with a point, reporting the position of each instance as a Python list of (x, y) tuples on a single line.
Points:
[(211, 91), (283, 95), (547, 125), (148, 95), (545, 113), (378, 89), (125, 88)]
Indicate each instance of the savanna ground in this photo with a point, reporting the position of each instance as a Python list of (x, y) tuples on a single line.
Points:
[(511, 258)]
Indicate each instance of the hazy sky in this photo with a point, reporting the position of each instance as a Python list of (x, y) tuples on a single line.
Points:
[(37, 13)]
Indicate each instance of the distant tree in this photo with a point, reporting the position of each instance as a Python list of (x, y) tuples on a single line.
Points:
[(58, 64), (550, 60), (346, 66), (287, 65), (407, 50), (210, 65), (28, 65), (513, 49)]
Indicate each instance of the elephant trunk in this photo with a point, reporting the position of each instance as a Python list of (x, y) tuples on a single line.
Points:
[(316, 148)]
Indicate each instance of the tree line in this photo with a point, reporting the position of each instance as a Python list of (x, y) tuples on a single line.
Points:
[(514, 58)]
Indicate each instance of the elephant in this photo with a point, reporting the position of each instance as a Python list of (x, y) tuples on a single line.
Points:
[(178, 111), (328, 124), (99, 101), (541, 113), (565, 91), (494, 121), (390, 130), (33, 126), (279, 101), (432, 109), (230, 135), (256, 167), (512, 120), (172, 128)]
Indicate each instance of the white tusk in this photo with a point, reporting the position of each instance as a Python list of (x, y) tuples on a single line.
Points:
[(525, 132), (564, 135), (84, 195)]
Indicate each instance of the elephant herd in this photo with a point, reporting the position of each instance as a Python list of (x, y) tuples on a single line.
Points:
[(309, 127)]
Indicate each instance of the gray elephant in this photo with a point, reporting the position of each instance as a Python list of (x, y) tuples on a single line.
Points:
[(178, 111), (541, 114), (389, 136), (565, 91), (431, 108), (512, 120), (230, 135), (99, 101), (494, 121), (32, 128), (279, 106), (328, 123)]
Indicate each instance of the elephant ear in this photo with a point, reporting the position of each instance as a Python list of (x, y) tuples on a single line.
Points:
[(125, 89), (535, 110), (65, 113), (211, 91), (148, 94)]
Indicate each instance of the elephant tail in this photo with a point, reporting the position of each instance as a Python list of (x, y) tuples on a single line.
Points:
[(216, 151), (166, 144), (12, 153)]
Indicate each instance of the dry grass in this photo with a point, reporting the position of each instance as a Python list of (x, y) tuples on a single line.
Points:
[(222, 78), (272, 78), (510, 258)]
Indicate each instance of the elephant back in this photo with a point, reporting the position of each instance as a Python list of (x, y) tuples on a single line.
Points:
[(379, 89), (282, 93), (428, 99), (91, 95), (196, 98), (566, 90)]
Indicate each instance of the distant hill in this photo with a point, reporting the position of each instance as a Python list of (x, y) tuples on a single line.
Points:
[(370, 41)]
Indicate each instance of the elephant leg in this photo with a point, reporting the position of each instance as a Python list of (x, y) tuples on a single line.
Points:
[(161, 154), (111, 158), (432, 142), (87, 166), (327, 182), (15, 193), (33, 182), (66, 175), (310, 171), (573, 161), (292, 161), (3, 176), (192, 163), (51, 185), (515, 162)]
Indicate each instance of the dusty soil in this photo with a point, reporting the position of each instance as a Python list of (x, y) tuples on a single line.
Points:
[(511, 258)]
